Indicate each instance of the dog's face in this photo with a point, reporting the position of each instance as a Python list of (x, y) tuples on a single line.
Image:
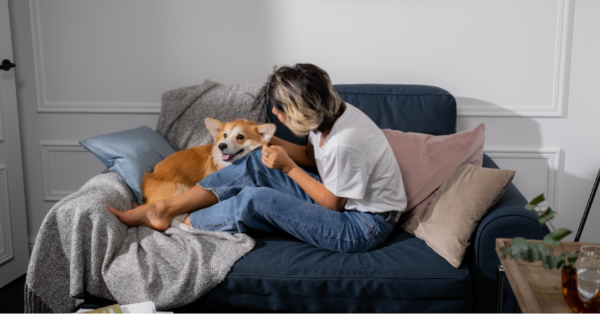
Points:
[(236, 139)]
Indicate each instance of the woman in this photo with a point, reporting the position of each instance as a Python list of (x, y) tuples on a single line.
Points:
[(352, 206)]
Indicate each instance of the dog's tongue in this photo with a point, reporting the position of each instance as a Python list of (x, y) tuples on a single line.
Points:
[(226, 157)]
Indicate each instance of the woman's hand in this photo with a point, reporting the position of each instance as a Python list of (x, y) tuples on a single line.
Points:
[(275, 157)]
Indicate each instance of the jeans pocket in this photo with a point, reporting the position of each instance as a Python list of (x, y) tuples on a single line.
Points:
[(367, 219)]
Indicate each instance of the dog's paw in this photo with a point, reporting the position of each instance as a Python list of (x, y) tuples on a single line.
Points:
[(186, 228), (177, 222)]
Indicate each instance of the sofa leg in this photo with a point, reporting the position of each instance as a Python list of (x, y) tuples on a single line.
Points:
[(499, 288)]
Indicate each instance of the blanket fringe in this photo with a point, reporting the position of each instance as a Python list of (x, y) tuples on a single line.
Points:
[(34, 304)]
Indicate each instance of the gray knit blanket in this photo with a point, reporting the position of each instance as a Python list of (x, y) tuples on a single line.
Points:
[(82, 249), (183, 111)]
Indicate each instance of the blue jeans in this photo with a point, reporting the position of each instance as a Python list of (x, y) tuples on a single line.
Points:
[(254, 197)]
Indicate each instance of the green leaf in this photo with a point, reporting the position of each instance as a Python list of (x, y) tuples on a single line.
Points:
[(550, 251), (551, 262), (569, 254), (515, 252), (519, 242), (533, 255), (548, 240), (546, 263), (540, 248), (559, 261), (555, 237), (525, 255), (534, 202), (546, 216), (505, 251), (560, 233), (571, 257)]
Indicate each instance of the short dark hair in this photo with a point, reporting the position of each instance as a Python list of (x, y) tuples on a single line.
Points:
[(305, 93)]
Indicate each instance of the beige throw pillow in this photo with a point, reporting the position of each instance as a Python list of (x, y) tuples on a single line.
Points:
[(457, 207)]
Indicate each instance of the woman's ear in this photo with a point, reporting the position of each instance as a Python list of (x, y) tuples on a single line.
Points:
[(266, 131), (214, 126)]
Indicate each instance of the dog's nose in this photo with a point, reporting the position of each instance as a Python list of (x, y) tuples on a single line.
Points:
[(222, 146)]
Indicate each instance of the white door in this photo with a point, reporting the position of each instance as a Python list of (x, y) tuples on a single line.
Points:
[(14, 249)]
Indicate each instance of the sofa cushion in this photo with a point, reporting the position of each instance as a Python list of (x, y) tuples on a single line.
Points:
[(408, 108), (426, 161), (467, 194), (130, 154), (284, 274)]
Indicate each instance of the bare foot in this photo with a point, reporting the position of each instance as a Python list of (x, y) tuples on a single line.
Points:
[(150, 215)]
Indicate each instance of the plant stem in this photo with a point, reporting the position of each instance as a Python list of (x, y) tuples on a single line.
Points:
[(541, 213)]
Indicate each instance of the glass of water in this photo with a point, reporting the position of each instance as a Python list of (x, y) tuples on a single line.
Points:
[(588, 277)]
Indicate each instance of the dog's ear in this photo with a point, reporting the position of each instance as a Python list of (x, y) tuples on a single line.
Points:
[(266, 131), (214, 126)]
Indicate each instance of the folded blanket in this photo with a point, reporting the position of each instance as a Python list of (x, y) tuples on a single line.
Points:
[(82, 248)]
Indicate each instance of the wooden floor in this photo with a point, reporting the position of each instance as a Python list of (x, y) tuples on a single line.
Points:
[(12, 298)]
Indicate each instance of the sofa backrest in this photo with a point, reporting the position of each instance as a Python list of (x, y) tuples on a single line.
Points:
[(408, 108)]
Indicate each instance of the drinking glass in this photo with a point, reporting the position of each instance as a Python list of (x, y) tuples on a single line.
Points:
[(588, 278)]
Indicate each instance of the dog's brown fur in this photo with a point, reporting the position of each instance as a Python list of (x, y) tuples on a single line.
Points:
[(182, 170)]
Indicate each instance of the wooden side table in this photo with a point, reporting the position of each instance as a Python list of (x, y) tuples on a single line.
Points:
[(537, 290)]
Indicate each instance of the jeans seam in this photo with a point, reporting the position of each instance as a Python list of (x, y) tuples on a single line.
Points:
[(273, 179), (232, 181), (376, 237)]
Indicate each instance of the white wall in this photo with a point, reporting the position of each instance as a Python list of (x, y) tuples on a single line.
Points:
[(526, 69)]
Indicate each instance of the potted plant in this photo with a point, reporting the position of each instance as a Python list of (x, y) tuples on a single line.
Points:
[(530, 251)]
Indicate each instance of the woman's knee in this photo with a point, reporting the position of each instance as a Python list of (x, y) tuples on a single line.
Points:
[(255, 194), (254, 200)]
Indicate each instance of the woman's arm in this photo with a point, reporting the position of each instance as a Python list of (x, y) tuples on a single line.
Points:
[(301, 155), (315, 189), (278, 159)]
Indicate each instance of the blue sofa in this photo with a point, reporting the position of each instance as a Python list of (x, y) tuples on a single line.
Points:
[(283, 274)]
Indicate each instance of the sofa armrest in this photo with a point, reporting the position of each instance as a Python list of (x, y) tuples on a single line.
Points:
[(507, 219)]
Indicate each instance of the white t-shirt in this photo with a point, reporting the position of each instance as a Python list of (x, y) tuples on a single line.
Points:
[(357, 162)]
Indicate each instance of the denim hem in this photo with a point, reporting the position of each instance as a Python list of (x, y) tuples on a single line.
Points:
[(210, 189)]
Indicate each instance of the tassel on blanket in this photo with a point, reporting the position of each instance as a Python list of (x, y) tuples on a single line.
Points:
[(34, 304)]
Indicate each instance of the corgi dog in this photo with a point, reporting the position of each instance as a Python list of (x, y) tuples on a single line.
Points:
[(182, 170)]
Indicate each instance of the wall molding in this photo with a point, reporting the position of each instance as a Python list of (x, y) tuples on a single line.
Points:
[(47, 148), (562, 57), (6, 244), (68, 107), (556, 108), (554, 157)]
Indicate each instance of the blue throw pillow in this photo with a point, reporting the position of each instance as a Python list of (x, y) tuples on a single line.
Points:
[(130, 154)]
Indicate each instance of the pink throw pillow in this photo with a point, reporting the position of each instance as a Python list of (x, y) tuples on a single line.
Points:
[(426, 161)]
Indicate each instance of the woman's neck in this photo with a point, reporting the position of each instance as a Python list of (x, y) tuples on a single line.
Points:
[(325, 133)]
